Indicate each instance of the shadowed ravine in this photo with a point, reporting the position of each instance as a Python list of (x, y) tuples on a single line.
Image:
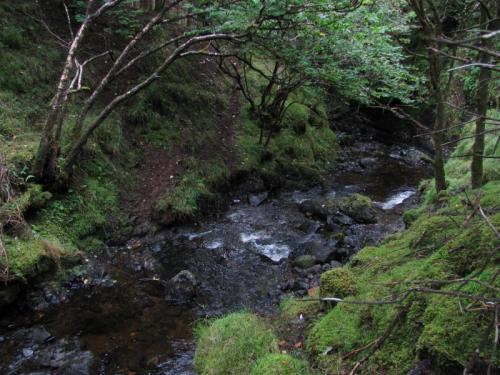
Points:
[(114, 308)]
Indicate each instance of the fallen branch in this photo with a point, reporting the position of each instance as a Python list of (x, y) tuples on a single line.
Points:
[(488, 221), (487, 300)]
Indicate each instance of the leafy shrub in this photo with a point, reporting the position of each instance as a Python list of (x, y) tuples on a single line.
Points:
[(11, 36)]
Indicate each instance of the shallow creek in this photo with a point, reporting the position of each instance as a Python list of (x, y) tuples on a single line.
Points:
[(113, 312)]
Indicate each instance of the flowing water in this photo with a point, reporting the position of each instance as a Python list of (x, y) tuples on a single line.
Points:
[(113, 311)]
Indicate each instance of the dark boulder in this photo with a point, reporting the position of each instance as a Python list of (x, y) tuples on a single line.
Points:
[(338, 218), (360, 208), (367, 162), (182, 287), (9, 293), (309, 226), (257, 199), (317, 208), (320, 251)]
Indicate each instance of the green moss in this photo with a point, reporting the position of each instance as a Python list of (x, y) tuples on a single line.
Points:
[(304, 261), (280, 364), (174, 111), (25, 255), (457, 167), (297, 118), (291, 308), (431, 233), (489, 194), (318, 117), (436, 246), (410, 216), (183, 201), (471, 247), (305, 154), (338, 282), (359, 207), (232, 344), (195, 189), (80, 213), (451, 333), (33, 198), (336, 331)]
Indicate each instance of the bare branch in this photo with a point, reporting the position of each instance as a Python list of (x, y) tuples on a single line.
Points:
[(469, 46), (471, 65), (471, 136), (134, 90), (488, 221), (68, 19)]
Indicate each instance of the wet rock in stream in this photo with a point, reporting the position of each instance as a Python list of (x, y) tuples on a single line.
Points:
[(36, 351), (257, 199), (304, 261), (181, 288), (316, 208), (64, 357)]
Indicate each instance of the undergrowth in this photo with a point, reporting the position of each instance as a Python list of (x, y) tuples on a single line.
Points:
[(58, 224)]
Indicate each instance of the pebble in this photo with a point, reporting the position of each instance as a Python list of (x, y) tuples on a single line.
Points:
[(27, 352)]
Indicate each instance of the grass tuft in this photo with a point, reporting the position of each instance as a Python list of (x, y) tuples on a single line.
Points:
[(232, 344)]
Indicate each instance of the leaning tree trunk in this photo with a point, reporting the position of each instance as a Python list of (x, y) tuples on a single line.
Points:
[(48, 149), (476, 167)]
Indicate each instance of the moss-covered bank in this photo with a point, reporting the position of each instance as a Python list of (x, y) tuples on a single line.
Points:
[(444, 244)]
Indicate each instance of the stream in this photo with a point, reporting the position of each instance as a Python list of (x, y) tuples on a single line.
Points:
[(121, 312)]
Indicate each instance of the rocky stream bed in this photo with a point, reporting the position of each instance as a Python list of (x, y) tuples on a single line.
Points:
[(131, 309)]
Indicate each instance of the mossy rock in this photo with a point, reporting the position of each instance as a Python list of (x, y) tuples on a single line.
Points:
[(304, 261), (35, 197), (452, 334), (469, 247), (338, 330), (360, 208), (338, 282), (318, 117), (232, 344), (431, 233), (280, 364), (410, 216)]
